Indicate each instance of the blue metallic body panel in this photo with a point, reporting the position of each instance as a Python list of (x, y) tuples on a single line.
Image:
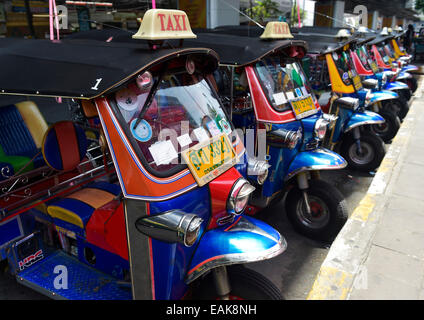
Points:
[(233, 241), (360, 118), (171, 260), (382, 95), (318, 159)]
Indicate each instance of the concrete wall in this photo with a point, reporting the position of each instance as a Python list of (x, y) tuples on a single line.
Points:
[(222, 14)]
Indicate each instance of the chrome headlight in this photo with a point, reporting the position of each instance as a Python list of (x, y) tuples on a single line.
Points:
[(320, 128), (331, 119), (239, 196), (171, 226), (259, 169)]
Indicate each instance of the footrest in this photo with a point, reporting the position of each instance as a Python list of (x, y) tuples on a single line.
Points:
[(83, 282)]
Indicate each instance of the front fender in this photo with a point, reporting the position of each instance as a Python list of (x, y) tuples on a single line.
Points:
[(318, 159), (396, 85), (382, 95), (403, 75), (410, 68), (363, 118), (245, 240)]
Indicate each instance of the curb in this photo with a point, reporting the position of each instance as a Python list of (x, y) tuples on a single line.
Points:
[(350, 249)]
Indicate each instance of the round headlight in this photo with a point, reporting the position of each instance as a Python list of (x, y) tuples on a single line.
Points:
[(191, 231), (320, 128), (239, 196)]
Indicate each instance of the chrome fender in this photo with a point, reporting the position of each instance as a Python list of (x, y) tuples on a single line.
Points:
[(396, 85), (318, 159), (382, 95), (363, 118), (245, 240)]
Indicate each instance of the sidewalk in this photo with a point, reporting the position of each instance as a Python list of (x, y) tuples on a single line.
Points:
[(379, 254)]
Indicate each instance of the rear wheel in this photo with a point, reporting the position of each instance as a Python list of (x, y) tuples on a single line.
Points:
[(387, 130), (365, 156), (327, 215), (246, 284)]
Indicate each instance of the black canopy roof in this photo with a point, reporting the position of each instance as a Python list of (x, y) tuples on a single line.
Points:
[(77, 68), (239, 50), (380, 39)]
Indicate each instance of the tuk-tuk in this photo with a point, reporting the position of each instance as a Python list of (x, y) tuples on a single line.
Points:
[(139, 198), (378, 80), (380, 102), (362, 148), (382, 53), (271, 101)]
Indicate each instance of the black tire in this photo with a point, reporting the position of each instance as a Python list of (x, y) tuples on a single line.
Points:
[(368, 160), (387, 130), (329, 212), (400, 105), (412, 84), (246, 284), (406, 94)]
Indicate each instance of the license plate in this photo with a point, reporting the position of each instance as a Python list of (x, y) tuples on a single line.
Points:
[(303, 107), (208, 160), (374, 67), (357, 82)]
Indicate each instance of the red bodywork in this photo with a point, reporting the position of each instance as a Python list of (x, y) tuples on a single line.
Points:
[(264, 112)]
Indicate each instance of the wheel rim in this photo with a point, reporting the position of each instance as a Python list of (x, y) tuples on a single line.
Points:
[(381, 128), (363, 156), (320, 214)]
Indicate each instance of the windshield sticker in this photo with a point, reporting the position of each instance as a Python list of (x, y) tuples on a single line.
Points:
[(143, 131), (213, 129), (345, 76), (304, 91), (279, 98), (290, 95), (298, 92), (184, 140), (201, 134), (163, 152), (225, 126), (126, 99)]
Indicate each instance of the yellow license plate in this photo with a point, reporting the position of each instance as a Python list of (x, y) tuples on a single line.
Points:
[(374, 67), (357, 82), (208, 160), (303, 107)]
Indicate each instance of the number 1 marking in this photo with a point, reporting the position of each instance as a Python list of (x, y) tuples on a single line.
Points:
[(97, 84)]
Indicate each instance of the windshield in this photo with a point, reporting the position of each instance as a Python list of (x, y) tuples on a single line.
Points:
[(282, 83), (363, 56), (183, 112)]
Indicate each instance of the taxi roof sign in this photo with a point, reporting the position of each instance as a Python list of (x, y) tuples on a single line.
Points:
[(276, 30), (162, 24)]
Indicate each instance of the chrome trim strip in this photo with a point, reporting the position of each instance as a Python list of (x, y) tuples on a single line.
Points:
[(362, 123), (315, 167)]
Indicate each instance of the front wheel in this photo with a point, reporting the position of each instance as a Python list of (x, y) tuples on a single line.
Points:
[(387, 130), (366, 155), (327, 215), (246, 284), (412, 84), (400, 105)]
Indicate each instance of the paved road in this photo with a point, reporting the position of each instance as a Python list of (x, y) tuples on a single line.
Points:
[(295, 270)]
